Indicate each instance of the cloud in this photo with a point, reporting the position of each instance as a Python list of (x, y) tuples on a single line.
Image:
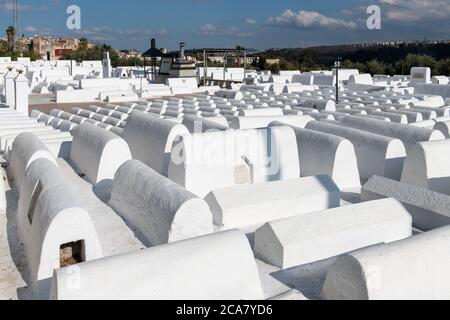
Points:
[(106, 33), (212, 30), (147, 32), (208, 30), (8, 6), (308, 20), (30, 29), (250, 21), (407, 11)]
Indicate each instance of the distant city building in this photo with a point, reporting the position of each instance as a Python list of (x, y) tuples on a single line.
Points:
[(55, 47), (130, 54)]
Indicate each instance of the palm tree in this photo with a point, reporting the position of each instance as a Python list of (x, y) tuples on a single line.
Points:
[(11, 35), (239, 50)]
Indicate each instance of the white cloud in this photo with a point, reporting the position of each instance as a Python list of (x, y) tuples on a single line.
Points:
[(415, 10), (106, 33), (250, 21), (212, 30), (30, 29), (308, 20), (208, 30), (8, 6)]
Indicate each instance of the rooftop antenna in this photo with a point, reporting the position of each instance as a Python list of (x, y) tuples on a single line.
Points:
[(16, 25)]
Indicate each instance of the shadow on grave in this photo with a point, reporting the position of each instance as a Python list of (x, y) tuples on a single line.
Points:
[(308, 279)]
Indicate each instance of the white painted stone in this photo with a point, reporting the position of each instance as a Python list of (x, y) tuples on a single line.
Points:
[(265, 121), (429, 124), (359, 79), (13, 133), (262, 112), (10, 93), (376, 154), (215, 267), (305, 79), (429, 209), (151, 139), (21, 89), (407, 134), (427, 166), (159, 210), (203, 162), (318, 104), (197, 124), (337, 157), (411, 269), (444, 127), (97, 153), (252, 205), (27, 148), (316, 236), (420, 75), (59, 147), (50, 216)]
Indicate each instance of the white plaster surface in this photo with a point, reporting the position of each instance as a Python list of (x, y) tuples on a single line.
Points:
[(427, 166), (316, 236), (429, 209), (159, 210), (97, 153), (255, 204), (411, 269), (193, 267)]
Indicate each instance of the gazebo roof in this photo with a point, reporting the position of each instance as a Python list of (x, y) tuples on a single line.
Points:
[(152, 53)]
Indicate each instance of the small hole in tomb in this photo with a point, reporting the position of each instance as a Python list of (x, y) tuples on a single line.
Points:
[(71, 253)]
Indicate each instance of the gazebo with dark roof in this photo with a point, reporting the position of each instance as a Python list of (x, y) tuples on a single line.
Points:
[(152, 53)]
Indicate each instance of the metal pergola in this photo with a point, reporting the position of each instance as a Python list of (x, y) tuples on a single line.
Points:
[(225, 52)]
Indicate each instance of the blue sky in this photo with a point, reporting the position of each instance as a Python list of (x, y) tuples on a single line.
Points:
[(256, 24)]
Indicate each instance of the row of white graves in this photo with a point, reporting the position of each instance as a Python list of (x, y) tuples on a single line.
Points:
[(91, 81), (159, 195)]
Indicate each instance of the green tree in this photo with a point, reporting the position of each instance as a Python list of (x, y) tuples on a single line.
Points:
[(3, 45), (287, 65), (240, 52), (83, 44), (375, 67), (307, 60), (417, 60), (443, 67), (11, 34), (274, 68), (262, 63)]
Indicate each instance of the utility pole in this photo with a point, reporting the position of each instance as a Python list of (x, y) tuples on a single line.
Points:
[(205, 67), (16, 25), (245, 64), (225, 66), (337, 65)]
